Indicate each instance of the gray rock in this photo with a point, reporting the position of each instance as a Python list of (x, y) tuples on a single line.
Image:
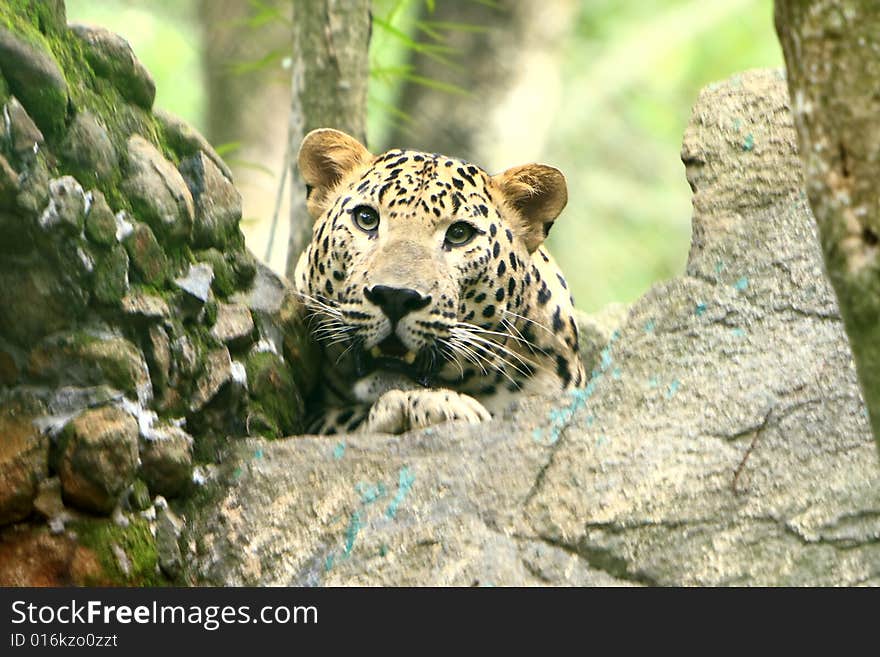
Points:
[(24, 136), (266, 293), (34, 186), (23, 457), (217, 202), (112, 57), (145, 306), (66, 207), (217, 373), (187, 141), (234, 325), (595, 331), (35, 78), (84, 358), (100, 225), (224, 282), (166, 461), (197, 282), (168, 528), (87, 149), (721, 440), (36, 300), (157, 191), (99, 458)]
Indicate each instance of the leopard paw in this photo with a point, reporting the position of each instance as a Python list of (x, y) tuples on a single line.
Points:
[(402, 410)]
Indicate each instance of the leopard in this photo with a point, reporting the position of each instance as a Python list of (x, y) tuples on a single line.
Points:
[(428, 287)]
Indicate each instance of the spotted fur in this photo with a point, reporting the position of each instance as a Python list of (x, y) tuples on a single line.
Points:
[(481, 323)]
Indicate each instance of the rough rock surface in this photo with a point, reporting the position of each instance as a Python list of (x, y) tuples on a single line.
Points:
[(99, 458), (722, 438)]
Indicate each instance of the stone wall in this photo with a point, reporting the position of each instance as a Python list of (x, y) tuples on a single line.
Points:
[(136, 330)]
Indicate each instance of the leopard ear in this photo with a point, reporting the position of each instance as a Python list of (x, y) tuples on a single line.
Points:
[(325, 156), (538, 193)]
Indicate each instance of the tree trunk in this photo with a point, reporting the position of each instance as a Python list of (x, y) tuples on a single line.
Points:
[(509, 70), (833, 75), (330, 68)]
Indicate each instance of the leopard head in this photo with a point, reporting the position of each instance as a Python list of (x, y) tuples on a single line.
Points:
[(410, 250)]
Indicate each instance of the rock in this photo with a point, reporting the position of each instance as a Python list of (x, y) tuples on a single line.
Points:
[(35, 78), (9, 368), (157, 191), (148, 258), (82, 358), (34, 557), (197, 282), (168, 528), (24, 455), (166, 461), (224, 282), (245, 267), (217, 373), (99, 458), (266, 293), (66, 207), (24, 136), (139, 496), (722, 439), (145, 306), (187, 141), (33, 194), (112, 57), (100, 224), (111, 276), (48, 502), (595, 331), (217, 202), (87, 149), (9, 187), (274, 395), (282, 331), (234, 325), (36, 300), (159, 356)]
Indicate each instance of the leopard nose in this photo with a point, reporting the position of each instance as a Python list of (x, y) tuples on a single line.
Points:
[(396, 302)]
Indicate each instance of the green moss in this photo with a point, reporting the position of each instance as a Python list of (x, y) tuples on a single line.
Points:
[(211, 309), (224, 276), (136, 541), (274, 396), (111, 276)]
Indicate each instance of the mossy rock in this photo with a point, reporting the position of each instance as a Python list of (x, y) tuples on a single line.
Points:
[(274, 397), (128, 555)]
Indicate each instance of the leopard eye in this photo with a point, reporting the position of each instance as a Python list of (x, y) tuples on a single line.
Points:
[(460, 233), (365, 218)]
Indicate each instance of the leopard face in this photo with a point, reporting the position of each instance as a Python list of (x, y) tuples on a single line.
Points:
[(423, 270)]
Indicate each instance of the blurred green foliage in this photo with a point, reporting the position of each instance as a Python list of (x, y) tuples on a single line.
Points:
[(631, 73), (165, 36)]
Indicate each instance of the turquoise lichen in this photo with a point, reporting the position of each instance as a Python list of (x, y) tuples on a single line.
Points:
[(405, 480), (339, 450)]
